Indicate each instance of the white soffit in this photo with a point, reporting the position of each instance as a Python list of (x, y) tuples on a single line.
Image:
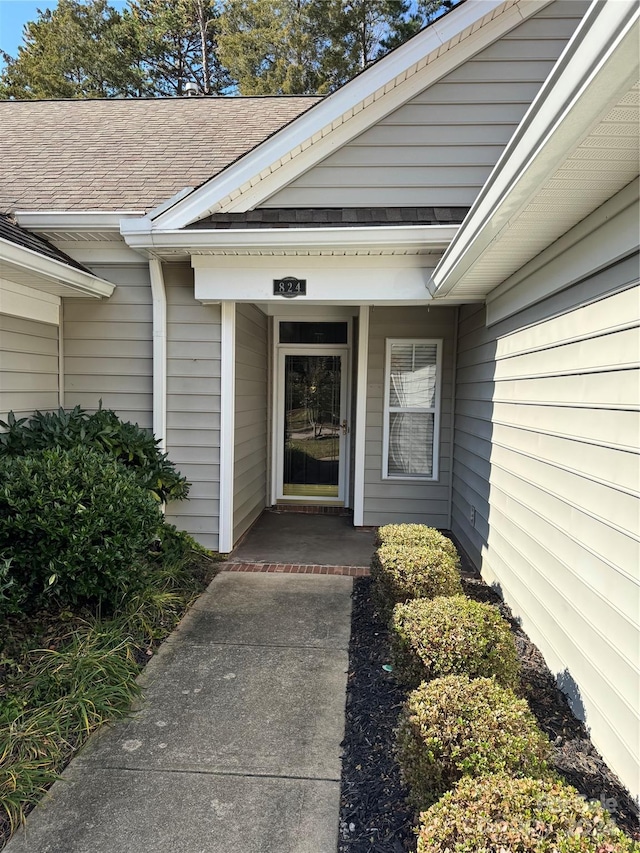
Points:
[(47, 275), (423, 60), (576, 147)]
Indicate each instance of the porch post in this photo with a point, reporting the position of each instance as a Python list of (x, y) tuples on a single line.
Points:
[(227, 423), (361, 416)]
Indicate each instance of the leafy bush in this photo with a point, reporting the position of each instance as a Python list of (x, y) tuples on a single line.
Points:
[(131, 445), (416, 534), (406, 571), (498, 813), (452, 635), (75, 526), (455, 726)]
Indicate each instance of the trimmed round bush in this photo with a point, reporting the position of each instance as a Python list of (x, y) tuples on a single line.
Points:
[(403, 572), (74, 526), (498, 813), (452, 635), (456, 726), (416, 534)]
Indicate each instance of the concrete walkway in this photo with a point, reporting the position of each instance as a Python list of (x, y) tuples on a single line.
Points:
[(236, 747)]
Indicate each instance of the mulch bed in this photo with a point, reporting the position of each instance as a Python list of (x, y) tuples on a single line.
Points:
[(374, 816)]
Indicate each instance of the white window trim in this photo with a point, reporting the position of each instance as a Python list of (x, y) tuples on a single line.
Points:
[(436, 410)]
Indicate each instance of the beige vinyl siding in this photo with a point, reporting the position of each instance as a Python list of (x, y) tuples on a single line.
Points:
[(405, 500), (250, 463), (193, 404), (108, 347), (439, 148), (546, 452), (28, 366)]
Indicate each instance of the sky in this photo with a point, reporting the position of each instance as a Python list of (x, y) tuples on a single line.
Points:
[(14, 14)]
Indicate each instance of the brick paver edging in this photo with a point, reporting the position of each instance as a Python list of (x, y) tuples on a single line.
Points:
[(297, 569)]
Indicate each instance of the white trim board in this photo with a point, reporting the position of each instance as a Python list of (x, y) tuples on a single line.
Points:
[(227, 424), (391, 286), (360, 423), (29, 303)]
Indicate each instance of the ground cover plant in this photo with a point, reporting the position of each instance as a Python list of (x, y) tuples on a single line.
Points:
[(91, 580)]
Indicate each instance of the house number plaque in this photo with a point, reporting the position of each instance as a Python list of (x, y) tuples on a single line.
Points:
[(289, 287)]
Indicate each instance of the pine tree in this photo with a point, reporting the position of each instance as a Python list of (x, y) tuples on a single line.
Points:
[(273, 46), (78, 50), (177, 44)]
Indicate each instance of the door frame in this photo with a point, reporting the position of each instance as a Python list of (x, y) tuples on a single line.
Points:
[(277, 409)]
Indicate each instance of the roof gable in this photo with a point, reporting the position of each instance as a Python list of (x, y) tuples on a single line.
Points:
[(439, 147), (380, 90)]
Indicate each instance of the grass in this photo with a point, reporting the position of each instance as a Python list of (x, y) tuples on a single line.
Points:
[(64, 674)]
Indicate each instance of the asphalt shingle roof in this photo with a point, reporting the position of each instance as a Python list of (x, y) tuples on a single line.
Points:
[(332, 217), (126, 154)]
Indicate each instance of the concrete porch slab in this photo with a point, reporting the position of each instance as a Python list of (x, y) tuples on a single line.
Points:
[(282, 537)]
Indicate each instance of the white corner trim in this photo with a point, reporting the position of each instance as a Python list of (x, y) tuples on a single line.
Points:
[(227, 423), (61, 356), (159, 311), (374, 93), (361, 417), (598, 66), (16, 300), (83, 283)]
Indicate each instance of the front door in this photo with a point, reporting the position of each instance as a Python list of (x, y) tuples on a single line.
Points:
[(312, 425)]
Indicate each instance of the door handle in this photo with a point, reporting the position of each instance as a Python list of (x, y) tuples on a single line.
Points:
[(345, 427)]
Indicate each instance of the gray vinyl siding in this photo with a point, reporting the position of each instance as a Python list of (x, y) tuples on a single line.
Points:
[(28, 366), (546, 438), (193, 404), (108, 347), (250, 445), (398, 500), (439, 148)]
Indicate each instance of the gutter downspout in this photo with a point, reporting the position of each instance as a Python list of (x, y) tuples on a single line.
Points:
[(159, 303)]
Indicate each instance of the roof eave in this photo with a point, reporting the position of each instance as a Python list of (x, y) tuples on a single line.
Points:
[(417, 237), (598, 66), (27, 260)]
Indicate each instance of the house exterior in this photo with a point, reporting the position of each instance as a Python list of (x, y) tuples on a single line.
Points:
[(416, 298)]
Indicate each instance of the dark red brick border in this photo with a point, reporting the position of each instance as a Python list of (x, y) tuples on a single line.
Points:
[(296, 569)]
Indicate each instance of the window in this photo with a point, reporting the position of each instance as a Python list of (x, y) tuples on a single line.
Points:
[(411, 408), (313, 333)]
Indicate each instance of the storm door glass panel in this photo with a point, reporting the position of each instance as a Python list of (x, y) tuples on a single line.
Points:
[(311, 425)]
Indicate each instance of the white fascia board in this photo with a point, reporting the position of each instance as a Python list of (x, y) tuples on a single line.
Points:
[(598, 66), (404, 237), (346, 113), (74, 220), (31, 261)]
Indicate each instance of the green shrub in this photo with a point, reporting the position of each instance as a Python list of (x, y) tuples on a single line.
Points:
[(416, 534), (403, 572), (456, 726), (131, 445), (452, 635), (499, 813), (75, 526)]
